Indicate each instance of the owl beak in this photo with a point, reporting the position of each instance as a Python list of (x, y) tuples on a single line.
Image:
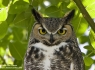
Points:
[(51, 38)]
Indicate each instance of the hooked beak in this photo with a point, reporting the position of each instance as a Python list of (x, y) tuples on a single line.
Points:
[(51, 38)]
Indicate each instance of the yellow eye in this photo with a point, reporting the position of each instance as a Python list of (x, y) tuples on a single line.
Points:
[(62, 32), (42, 31)]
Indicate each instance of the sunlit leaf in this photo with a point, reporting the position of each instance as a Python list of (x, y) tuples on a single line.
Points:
[(1, 5), (90, 6), (2, 51), (80, 25), (88, 61), (26, 1), (92, 38), (3, 14)]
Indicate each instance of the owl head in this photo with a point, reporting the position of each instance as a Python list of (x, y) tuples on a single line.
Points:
[(52, 31)]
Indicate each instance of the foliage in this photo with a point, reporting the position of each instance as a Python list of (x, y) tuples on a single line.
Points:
[(16, 22)]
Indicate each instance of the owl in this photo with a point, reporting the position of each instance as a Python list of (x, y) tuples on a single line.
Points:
[(53, 45)]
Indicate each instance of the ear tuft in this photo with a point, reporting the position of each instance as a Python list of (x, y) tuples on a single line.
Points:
[(69, 15), (37, 16)]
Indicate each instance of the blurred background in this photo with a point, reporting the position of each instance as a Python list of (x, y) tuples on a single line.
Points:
[(16, 21)]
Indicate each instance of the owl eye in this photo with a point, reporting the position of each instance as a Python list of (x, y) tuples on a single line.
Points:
[(42, 31), (61, 31)]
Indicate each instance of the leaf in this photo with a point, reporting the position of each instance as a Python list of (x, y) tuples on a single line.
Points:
[(88, 47), (80, 25), (1, 5), (53, 11), (2, 51), (5, 2), (18, 62), (92, 38), (88, 61), (90, 6), (10, 18), (18, 7), (3, 29), (90, 53), (35, 3), (3, 14), (30, 26), (17, 34), (17, 50), (83, 39), (26, 1), (22, 19), (63, 7)]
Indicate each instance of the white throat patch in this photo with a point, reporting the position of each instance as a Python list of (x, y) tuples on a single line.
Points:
[(48, 53)]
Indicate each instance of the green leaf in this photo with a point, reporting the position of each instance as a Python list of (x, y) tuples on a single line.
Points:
[(17, 34), (63, 7), (1, 5), (30, 26), (80, 25), (3, 29), (90, 6), (18, 7), (26, 1), (35, 3), (3, 14), (18, 62), (17, 50), (92, 38), (22, 19), (10, 18), (90, 53), (88, 61), (88, 47), (5, 2), (53, 11), (83, 39)]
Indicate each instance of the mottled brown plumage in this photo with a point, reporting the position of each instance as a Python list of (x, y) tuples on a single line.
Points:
[(53, 45)]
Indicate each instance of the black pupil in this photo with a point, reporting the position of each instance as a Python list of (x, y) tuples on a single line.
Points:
[(61, 31), (43, 30)]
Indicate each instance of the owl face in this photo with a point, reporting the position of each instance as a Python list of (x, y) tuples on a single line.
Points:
[(52, 31)]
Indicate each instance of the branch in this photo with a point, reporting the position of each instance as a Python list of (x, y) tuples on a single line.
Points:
[(85, 14)]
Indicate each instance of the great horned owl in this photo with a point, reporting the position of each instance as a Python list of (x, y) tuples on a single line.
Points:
[(53, 45)]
